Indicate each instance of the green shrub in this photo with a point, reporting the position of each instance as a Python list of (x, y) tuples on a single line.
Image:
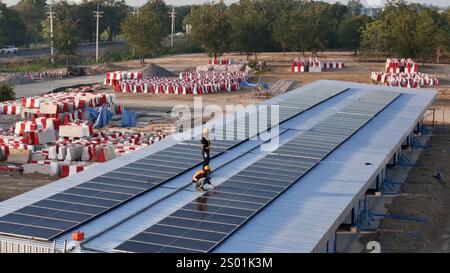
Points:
[(7, 92), (253, 64)]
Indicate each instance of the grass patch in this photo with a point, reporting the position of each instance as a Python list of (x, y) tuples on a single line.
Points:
[(20, 65)]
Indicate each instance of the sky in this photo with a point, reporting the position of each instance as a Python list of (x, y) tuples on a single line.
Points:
[(373, 3)]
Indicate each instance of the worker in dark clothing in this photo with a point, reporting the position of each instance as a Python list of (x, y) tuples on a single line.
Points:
[(206, 147), (201, 178)]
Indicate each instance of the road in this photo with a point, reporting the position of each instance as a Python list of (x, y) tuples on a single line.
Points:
[(39, 52), (42, 87)]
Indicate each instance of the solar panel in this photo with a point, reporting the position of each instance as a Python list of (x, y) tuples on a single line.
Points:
[(204, 223), (48, 218), (61, 212)]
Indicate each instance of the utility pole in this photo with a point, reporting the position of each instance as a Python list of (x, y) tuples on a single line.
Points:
[(97, 14), (136, 12), (172, 15), (51, 16)]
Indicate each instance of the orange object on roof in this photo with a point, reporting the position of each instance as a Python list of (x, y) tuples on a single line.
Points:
[(78, 236)]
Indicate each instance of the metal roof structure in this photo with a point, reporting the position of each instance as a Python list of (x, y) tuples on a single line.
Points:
[(302, 218)]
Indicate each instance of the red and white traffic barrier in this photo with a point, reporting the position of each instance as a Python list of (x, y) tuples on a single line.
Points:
[(187, 83), (314, 65), (10, 109), (220, 61), (408, 80), (112, 78), (68, 169), (396, 66), (332, 65), (31, 102), (9, 168)]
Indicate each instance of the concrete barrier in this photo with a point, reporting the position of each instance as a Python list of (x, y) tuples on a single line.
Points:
[(47, 169), (74, 131), (19, 156), (74, 153), (46, 136), (62, 153)]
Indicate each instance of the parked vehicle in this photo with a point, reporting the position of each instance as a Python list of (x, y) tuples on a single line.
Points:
[(8, 50)]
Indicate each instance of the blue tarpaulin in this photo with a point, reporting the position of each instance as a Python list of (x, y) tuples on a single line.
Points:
[(264, 85), (128, 119), (92, 114), (103, 118)]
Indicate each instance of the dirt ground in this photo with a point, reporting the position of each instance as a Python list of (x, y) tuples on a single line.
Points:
[(423, 197), (13, 183)]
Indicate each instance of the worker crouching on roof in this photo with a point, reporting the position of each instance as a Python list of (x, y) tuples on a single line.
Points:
[(201, 178)]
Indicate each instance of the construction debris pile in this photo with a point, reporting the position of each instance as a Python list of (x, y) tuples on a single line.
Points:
[(314, 65), (57, 135), (403, 73)]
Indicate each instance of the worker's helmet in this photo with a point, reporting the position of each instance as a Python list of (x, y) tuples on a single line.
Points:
[(205, 131), (207, 169)]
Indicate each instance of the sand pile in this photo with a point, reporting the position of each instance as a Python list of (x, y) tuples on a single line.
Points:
[(153, 70)]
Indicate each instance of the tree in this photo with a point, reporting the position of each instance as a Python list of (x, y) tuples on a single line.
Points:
[(182, 13), (354, 7), (319, 26), (443, 35), (373, 38), (6, 92), (66, 38), (115, 12), (425, 37), (332, 18), (251, 26), (144, 33), (84, 12), (302, 36), (284, 32), (210, 27), (350, 31), (32, 13), (400, 29), (161, 10), (12, 27)]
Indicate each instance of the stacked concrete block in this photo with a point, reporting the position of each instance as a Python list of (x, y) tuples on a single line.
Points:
[(74, 153), (76, 130), (19, 156), (42, 167)]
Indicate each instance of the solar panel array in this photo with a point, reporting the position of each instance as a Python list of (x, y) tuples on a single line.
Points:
[(205, 222), (63, 211), (252, 123), (59, 213)]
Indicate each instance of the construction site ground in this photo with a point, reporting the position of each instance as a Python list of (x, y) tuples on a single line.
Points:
[(422, 195)]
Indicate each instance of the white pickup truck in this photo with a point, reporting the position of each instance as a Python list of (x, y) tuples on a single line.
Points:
[(8, 50)]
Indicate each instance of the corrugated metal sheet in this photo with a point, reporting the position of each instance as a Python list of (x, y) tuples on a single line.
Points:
[(303, 218), (307, 215)]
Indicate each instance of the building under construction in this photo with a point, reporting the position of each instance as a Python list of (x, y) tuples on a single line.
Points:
[(333, 143)]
